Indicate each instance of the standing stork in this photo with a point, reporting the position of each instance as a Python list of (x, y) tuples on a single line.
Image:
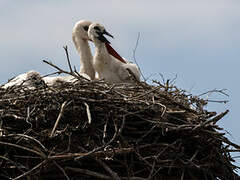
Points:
[(106, 61), (80, 40)]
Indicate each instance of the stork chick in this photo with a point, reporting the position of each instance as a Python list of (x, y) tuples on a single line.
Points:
[(30, 80), (80, 40), (106, 65), (52, 81)]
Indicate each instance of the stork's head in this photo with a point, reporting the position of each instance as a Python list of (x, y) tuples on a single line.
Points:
[(96, 33), (81, 29)]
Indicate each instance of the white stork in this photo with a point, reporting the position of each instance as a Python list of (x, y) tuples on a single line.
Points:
[(80, 40), (107, 63), (30, 79)]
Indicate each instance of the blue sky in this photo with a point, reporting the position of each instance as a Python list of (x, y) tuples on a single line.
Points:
[(197, 40)]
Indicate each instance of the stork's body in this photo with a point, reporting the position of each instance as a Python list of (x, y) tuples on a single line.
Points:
[(107, 66), (51, 81), (30, 79)]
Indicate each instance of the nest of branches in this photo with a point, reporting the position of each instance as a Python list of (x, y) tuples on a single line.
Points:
[(97, 130)]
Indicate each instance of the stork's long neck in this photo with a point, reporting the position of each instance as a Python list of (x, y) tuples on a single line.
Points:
[(101, 50), (83, 50), (86, 58)]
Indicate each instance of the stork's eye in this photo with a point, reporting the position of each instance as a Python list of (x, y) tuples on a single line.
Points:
[(85, 28), (97, 28)]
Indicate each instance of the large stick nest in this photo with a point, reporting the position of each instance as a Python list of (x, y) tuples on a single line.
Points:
[(95, 130)]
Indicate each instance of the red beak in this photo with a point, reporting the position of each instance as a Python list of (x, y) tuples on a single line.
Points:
[(114, 53)]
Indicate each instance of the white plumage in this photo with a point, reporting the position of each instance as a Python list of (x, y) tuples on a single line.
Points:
[(51, 81), (30, 79), (107, 66)]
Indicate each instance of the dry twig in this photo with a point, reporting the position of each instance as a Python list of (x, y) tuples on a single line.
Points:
[(141, 131), (64, 105)]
